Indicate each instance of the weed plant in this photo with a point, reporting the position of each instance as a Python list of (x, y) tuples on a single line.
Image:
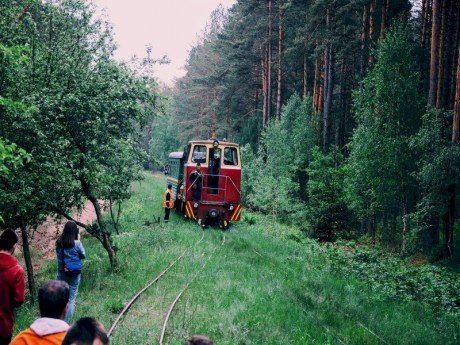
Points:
[(259, 282)]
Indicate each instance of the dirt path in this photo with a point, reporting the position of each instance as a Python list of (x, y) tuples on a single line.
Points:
[(42, 240)]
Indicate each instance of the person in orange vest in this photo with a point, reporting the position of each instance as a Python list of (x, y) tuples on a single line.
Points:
[(168, 202)]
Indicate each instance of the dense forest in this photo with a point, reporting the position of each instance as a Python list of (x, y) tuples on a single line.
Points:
[(348, 110), (71, 118)]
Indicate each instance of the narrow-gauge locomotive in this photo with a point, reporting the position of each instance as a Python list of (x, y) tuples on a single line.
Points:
[(206, 179)]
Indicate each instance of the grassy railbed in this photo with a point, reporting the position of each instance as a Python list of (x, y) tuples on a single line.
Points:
[(252, 284)]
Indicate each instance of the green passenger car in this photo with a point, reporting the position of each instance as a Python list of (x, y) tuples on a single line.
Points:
[(176, 175)]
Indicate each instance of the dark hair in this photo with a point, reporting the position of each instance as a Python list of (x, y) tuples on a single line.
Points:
[(85, 331), (8, 239), (199, 340), (52, 298), (169, 185), (68, 236)]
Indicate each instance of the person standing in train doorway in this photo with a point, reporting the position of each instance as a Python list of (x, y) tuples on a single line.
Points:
[(168, 202), (196, 178)]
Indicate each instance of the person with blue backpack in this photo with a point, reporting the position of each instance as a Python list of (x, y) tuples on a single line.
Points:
[(70, 253)]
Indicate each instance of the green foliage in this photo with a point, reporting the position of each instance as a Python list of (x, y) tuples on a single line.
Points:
[(163, 140), (247, 177), (273, 188), (393, 278), (275, 179), (387, 111), (327, 213), (115, 306), (11, 156), (249, 218), (77, 112), (299, 124), (437, 168)]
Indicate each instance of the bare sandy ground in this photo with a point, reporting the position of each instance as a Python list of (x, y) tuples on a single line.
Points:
[(42, 240)]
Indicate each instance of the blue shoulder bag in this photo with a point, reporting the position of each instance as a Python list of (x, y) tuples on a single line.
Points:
[(72, 267)]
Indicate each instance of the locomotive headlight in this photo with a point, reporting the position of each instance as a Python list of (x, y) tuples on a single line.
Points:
[(213, 213), (215, 143), (195, 205), (230, 208)]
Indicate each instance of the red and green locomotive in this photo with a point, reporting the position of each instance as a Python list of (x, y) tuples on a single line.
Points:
[(206, 179)]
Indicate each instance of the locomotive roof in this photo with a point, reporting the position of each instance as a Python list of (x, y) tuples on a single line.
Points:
[(178, 155), (210, 141)]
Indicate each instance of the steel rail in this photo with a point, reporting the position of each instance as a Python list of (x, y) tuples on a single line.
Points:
[(136, 296), (165, 323), (171, 308)]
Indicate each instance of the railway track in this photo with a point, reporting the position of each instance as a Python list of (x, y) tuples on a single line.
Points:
[(155, 280), (193, 275)]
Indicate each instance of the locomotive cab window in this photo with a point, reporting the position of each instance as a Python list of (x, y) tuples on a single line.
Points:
[(199, 154), (230, 156)]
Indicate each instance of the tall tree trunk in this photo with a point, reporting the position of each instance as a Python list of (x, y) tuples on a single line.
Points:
[(449, 217), (456, 118), (215, 111), (340, 137), (316, 83), (326, 114), (264, 88), (103, 235), (321, 84), (269, 61), (114, 218), (27, 259), (256, 101), (455, 44), (363, 45), (107, 243), (371, 29), (383, 24), (328, 86), (433, 54), (425, 11), (405, 226), (100, 232), (442, 39), (280, 52), (305, 71)]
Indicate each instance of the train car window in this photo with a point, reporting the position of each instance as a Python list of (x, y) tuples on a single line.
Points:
[(199, 154), (230, 156)]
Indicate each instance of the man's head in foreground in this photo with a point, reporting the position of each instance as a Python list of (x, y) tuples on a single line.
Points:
[(86, 331)]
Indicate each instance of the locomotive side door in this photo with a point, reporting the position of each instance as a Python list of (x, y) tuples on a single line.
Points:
[(214, 170)]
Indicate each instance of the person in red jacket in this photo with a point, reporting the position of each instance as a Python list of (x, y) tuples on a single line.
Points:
[(11, 284)]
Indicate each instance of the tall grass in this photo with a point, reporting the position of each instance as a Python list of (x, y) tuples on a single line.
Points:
[(257, 283)]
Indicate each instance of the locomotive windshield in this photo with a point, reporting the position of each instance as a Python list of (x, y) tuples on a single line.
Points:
[(230, 156), (199, 154)]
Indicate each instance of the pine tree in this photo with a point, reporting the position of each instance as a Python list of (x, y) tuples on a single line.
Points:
[(387, 110)]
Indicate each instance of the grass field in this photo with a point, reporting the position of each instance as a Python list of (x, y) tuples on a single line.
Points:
[(251, 284)]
